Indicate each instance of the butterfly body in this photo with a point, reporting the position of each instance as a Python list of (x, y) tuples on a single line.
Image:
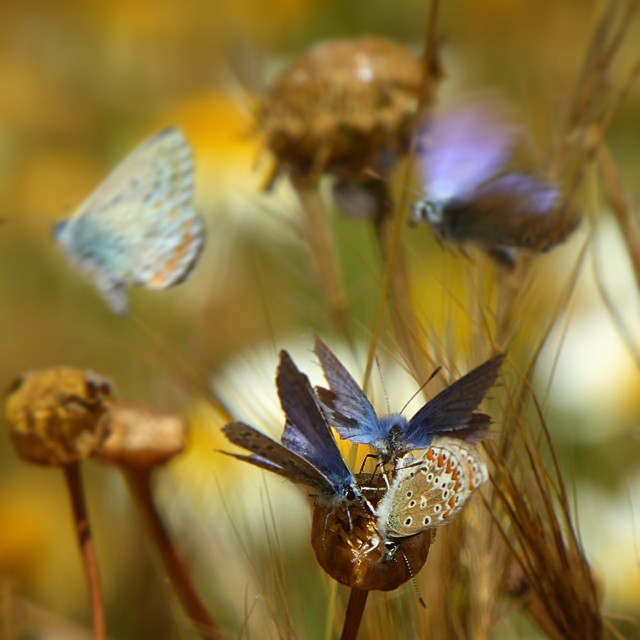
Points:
[(430, 490), (471, 197), (138, 228), (451, 412)]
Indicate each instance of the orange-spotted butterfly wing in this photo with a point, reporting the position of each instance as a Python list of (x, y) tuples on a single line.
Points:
[(139, 227)]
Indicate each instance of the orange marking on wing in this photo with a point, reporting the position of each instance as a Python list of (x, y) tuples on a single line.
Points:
[(168, 273)]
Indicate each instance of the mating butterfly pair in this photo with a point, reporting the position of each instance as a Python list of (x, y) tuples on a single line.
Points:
[(424, 491)]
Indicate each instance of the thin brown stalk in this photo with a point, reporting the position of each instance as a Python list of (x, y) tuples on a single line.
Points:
[(139, 484), (389, 232), (73, 479), (320, 240), (538, 530), (403, 316), (353, 617), (620, 208)]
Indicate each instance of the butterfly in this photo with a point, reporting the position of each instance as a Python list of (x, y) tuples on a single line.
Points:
[(472, 197), (139, 227), (428, 491), (451, 412), (308, 454)]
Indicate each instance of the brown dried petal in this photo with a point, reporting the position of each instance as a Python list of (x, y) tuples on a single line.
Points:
[(142, 438), (58, 416), (352, 553), (344, 106)]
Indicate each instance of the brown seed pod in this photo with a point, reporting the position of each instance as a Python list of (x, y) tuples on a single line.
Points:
[(351, 551), (344, 106), (58, 416), (142, 438)]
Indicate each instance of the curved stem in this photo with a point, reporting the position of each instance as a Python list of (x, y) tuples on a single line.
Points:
[(73, 479), (403, 311), (353, 617), (318, 236), (140, 487)]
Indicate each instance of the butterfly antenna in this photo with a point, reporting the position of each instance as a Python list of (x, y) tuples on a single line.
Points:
[(384, 388), (422, 386), (413, 580)]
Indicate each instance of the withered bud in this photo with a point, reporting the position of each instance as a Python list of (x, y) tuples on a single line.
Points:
[(350, 550), (58, 416), (344, 106), (142, 438)]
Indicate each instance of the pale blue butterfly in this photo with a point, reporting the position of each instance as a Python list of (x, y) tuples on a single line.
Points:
[(452, 412), (139, 227)]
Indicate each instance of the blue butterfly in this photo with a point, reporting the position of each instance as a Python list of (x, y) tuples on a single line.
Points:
[(138, 228), (471, 197), (450, 413), (308, 454)]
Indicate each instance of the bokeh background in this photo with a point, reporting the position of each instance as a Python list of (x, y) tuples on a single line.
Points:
[(81, 83)]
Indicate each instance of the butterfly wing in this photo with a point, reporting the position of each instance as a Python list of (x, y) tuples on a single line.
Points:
[(139, 227), (431, 490), (512, 210), (306, 431), (346, 405), (270, 455), (452, 410), (461, 149)]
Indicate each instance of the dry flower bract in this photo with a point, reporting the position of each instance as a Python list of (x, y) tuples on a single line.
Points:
[(58, 416), (351, 550), (142, 438), (344, 106)]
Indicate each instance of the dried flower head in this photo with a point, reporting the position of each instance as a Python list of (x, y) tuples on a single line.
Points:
[(58, 416), (142, 438), (344, 106), (350, 549)]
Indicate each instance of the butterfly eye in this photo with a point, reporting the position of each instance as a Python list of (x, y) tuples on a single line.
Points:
[(426, 211)]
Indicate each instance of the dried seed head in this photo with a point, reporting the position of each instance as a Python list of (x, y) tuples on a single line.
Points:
[(351, 551), (58, 416), (344, 106), (142, 438)]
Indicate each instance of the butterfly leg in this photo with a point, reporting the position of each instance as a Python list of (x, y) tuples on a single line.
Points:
[(369, 455)]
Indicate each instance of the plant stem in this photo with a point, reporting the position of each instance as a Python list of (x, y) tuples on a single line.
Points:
[(403, 311), (87, 550), (353, 617), (140, 487), (620, 209), (318, 236)]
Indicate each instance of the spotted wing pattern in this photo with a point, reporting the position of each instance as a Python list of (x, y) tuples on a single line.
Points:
[(139, 228), (429, 491)]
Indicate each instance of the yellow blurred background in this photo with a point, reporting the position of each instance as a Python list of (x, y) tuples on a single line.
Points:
[(81, 83)]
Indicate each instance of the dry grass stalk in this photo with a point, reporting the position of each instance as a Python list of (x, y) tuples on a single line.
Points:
[(532, 510)]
